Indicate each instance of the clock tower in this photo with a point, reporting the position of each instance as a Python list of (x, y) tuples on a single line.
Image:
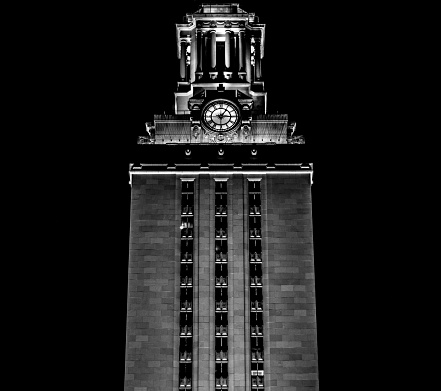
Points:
[(221, 291)]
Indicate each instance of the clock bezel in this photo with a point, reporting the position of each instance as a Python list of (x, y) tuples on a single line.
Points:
[(207, 127)]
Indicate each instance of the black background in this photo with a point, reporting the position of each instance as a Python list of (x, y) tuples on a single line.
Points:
[(122, 69)]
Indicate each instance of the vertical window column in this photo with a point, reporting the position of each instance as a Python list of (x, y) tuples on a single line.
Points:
[(256, 295), (186, 286), (221, 286)]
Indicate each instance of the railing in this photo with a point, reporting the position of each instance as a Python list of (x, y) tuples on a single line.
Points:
[(221, 382), (221, 233), (256, 305), (256, 330), (256, 257), (257, 355), (221, 280), (185, 356), (187, 233), (221, 330), (221, 257), (186, 330), (187, 257), (185, 382), (187, 210), (254, 210), (221, 356), (186, 305), (186, 281), (221, 210), (255, 233), (257, 381), (256, 280), (221, 305)]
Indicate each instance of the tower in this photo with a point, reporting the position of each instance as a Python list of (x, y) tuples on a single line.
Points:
[(221, 289)]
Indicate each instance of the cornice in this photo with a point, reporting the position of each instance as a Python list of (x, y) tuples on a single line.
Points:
[(172, 170)]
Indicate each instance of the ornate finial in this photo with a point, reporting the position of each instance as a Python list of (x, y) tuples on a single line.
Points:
[(291, 139)]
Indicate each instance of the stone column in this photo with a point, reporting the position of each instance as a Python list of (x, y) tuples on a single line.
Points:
[(183, 65), (213, 49), (257, 58), (234, 64), (227, 50), (193, 57), (200, 39), (248, 60), (241, 51)]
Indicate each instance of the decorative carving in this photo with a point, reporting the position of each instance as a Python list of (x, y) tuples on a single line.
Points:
[(196, 131), (245, 101), (195, 102), (231, 137), (220, 138), (150, 138), (291, 139), (246, 131), (291, 129), (145, 140), (298, 140)]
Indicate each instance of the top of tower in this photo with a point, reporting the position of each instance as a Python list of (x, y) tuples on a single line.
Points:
[(220, 96)]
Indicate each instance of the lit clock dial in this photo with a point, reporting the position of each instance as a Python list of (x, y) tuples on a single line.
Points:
[(220, 116)]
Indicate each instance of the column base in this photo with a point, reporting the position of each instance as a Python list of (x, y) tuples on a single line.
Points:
[(242, 75), (258, 86), (199, 75)]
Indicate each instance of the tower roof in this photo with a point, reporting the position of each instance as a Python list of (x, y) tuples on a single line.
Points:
[(220, 8)]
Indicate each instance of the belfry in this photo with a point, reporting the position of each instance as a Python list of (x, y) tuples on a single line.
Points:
[(221, 291)]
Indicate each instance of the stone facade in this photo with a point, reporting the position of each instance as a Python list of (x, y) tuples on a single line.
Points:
[(290, 345)]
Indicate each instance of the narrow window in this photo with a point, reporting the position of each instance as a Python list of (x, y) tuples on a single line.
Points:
[(186, 286), (256, 284), (221, 285)]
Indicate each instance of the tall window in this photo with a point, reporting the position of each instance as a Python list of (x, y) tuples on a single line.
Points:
[(256, 283), (221, 285), (186, 286)]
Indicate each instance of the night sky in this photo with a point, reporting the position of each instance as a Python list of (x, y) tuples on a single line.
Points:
[(129, 69)]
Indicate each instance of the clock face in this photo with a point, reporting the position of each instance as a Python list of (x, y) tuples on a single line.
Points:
[(220, 116)]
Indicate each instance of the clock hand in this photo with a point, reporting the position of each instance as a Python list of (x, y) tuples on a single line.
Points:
[(220, 116)]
